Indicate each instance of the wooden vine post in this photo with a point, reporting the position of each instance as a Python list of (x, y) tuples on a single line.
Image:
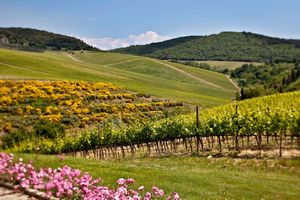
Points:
[(197, 127), (280, 145), (237, 131), (197, 117)]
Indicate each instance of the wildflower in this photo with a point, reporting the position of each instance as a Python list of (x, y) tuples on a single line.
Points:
[(121, 181), (157, 191), (68, 183), (147, 196), (141, 187), (61, 158), (129, 181)]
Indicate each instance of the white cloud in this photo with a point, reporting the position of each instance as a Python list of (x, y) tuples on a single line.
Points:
[(112, 43), (106, 43), (146, 38)]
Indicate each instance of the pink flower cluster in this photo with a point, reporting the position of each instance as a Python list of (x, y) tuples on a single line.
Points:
[(68, 183)]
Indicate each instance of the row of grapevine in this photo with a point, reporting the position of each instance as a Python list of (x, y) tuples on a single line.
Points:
[(271, 121)]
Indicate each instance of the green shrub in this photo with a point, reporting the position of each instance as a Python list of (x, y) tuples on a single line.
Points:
[(50, 130), (15, 138)]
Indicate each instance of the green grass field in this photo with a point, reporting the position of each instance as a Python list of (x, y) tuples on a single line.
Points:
[(195, 178), (231, 65), (145, 75)]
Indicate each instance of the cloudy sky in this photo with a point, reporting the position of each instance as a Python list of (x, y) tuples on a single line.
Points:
[(106, 43), (110, 24)]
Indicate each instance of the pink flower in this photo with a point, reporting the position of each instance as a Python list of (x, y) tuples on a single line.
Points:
[(130, 180), (68, 183), (136, 197), (61, 158), (25, 184), (147, 196), (58, 194), (121, 181), (49, 194), (157, 191), (70, 192), (141, 187), (176, 196)]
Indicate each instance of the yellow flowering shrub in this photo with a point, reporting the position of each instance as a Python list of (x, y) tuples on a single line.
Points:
[(4, 90), (85, 111), (48, 110), (6, 100), (73, 103), (28, 109), (19, 111), (38, 111), (7, 127)]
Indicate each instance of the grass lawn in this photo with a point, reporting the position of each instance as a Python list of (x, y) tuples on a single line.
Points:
[(193, 177), (144, 75)]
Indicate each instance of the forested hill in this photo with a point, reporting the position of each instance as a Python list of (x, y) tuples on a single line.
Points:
[(226, 46), (33, 39)]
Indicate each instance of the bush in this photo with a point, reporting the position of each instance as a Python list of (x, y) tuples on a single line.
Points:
[(8, 127), (15, 138), (49, 130)]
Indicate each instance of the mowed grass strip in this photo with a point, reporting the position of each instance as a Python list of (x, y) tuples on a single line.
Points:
[(194, 178), (130, 72), (231, 65), (159, 69)]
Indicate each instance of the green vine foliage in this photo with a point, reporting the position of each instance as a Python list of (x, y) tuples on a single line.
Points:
[(273, 115)]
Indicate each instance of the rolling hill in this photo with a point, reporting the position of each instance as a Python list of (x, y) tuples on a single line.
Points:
[(225, 46), (37, 40), (145, 75)]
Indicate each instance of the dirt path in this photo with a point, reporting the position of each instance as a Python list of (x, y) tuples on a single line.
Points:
[(165, 64), (188, 74), (73, 58), (6, 194), (233, 83)]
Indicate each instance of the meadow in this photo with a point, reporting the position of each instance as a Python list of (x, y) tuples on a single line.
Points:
[(143, 75), (193, 177)]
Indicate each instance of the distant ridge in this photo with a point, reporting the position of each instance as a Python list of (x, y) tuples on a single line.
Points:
[(225, 46), (33, 39)]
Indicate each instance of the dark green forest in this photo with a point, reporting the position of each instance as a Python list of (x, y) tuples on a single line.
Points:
[(267, 79), (35, 40), (226, 46)]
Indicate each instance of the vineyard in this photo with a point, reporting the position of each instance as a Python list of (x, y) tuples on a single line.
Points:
[(75, 105), (261, 124)]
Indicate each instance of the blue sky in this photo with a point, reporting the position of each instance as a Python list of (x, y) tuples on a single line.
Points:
[(114, 23)]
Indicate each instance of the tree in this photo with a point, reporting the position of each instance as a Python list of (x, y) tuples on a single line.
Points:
[(242, 95)]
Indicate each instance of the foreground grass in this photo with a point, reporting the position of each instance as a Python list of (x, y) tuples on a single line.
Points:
[(134, 73), (193, 177)]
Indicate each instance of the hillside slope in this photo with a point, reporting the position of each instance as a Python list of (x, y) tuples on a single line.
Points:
[(145, 75), (267, 79), (33, 39), (226, 46)]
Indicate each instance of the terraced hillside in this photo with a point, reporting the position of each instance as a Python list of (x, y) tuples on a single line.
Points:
[(145, 75)]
